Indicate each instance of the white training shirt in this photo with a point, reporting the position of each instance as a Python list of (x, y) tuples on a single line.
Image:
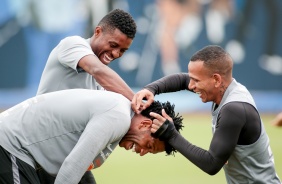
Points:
[(65, 131)]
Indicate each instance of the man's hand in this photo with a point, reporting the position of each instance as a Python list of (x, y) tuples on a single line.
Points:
[(277, 121), (162, 126), (137, 103)]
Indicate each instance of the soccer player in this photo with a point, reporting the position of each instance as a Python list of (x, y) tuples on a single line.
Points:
[(68, 132), (77, 62), (240, 144)]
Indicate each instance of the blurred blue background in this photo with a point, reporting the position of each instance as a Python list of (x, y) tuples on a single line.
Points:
[(250, 30)]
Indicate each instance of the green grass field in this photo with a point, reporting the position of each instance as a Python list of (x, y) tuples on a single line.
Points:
[(126, 167)]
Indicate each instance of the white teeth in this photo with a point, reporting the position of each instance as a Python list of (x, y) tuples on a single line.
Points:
[(108, 58), (133, 148), (199, 94)]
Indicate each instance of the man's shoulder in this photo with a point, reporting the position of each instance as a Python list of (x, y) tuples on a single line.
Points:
[(73, 39)]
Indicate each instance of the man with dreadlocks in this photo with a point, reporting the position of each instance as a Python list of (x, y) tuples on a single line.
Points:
[(85, 128), (128, 141)]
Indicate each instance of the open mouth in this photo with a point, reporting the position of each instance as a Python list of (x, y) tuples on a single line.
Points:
[(133, 148), (107, 58), (198, 93)]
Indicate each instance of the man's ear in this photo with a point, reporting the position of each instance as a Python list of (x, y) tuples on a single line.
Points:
[(146, 123), (217, 79), (97, 30)]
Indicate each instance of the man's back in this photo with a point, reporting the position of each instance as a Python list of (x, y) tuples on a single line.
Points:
[(46, 128)]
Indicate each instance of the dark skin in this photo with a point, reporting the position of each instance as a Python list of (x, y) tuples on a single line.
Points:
[(139, 139), (107, 46), (277, 121)]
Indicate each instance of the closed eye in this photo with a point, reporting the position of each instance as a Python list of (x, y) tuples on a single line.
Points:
[(113, 45)]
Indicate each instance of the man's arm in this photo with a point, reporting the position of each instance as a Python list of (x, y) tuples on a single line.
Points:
[(105, 76), (75, 52), (232, 119), (277, 121), (86, 149), (170, 83), (100, 131)]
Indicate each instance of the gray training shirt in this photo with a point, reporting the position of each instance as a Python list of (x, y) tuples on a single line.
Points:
[(65, 131), (252, 163), (61, 71)]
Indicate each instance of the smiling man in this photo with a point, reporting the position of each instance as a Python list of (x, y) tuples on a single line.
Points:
[(68, 132), (137, 137), (77, 62), (240, 144)]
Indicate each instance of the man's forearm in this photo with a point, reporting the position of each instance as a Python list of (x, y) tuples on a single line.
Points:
[(198, 156), (111, 81), (170, 83)]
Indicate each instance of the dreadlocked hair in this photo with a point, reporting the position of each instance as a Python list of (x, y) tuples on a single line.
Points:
[(157, 107), (121, 20)]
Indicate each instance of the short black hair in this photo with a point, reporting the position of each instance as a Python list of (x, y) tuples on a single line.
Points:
[(215, 58), (121, 20), (157, 107)]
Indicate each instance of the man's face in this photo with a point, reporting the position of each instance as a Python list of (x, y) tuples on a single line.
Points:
[(201, 81), (109, 45), (139, 139)]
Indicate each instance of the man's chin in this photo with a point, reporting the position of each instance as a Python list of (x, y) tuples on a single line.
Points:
[(204, 100)]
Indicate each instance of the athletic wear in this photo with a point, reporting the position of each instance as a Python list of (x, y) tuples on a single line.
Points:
[(238, 132), (61, 70), (64, 131), (170, 83), (11, 170), (252, 163)]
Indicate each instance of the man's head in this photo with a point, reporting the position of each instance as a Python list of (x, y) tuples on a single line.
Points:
[(139, 139), (210, 72), (113, 35)]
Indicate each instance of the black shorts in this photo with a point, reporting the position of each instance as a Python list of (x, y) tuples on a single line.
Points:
[(16, 171)]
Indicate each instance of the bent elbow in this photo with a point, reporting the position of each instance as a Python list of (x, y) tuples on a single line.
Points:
[(213, 171)]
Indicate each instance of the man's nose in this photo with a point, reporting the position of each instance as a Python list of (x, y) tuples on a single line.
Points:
[(116, 53), (191, 85)]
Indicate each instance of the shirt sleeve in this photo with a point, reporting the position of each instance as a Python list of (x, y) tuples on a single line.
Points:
[(231, 122), (99, 132), (71, 50), (170, 83)]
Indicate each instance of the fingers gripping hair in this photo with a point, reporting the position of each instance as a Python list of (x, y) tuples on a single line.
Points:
[(157, 107)]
